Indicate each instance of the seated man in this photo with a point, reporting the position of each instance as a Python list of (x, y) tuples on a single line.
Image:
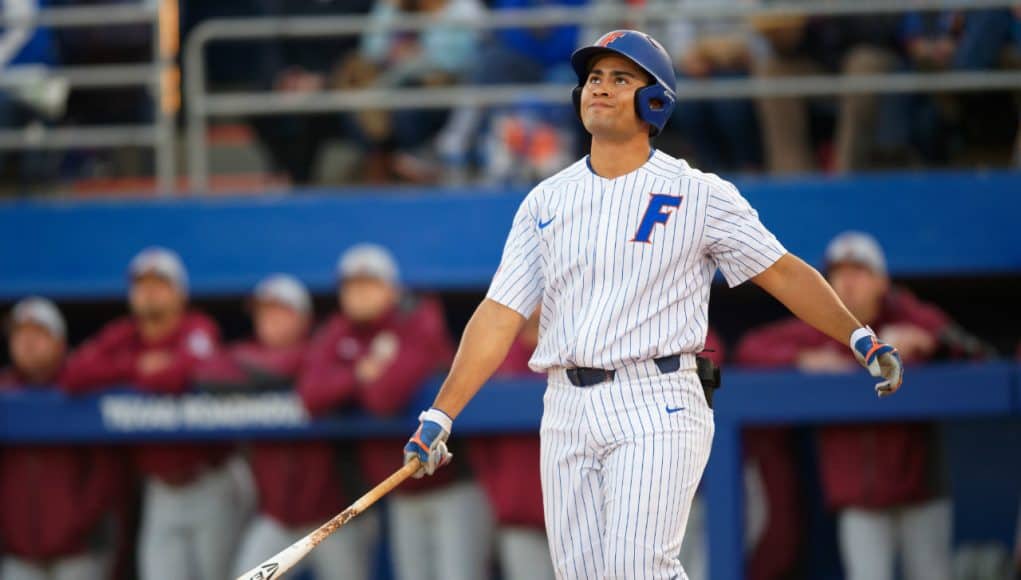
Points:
[(298, 485), (377, 353), (881, 478), (53, 499), (189, 507)]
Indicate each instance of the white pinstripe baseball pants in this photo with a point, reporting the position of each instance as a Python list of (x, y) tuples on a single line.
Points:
[(620, 464)]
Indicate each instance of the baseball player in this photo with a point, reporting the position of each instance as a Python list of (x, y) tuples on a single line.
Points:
[(297, 483), (189, 514), (620, 249), (890, 499), (377, 352), (54, 499)]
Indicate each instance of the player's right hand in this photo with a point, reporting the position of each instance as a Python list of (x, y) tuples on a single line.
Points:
[(429, 443), (881, 359)]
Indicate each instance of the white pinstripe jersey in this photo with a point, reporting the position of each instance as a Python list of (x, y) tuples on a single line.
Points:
[(623, 266)]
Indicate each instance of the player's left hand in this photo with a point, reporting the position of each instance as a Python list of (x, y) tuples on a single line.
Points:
[(881, 359), (429, 443)]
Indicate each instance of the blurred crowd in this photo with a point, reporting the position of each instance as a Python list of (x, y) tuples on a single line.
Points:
[(211, 511), (527, 140)]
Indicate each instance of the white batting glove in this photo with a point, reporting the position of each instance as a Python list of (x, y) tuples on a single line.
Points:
[(429, 443), (881, 360)]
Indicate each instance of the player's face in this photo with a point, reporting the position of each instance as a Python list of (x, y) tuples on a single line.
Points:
[(278, 325), (860, 288), (364, 299), (608, 98), (154, 296), (34, 350)]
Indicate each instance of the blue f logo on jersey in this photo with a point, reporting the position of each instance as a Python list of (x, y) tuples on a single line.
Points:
[(657, 212)]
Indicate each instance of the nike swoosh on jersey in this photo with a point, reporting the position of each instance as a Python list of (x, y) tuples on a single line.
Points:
[(543, 224), (671, 410)]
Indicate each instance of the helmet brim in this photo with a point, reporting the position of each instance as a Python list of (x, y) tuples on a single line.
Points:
[(582, 58)]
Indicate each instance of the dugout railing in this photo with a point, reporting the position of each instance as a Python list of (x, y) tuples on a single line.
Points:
[(160, 75), (202, 105)]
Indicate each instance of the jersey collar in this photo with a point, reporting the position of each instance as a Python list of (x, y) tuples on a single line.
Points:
[(588, 163)]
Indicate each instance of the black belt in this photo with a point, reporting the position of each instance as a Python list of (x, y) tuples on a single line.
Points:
[(587, 376)]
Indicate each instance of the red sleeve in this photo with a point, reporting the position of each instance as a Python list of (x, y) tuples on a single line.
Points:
[(325, 381), (105, 482), (219, 368), (921, 314), (423, 346), (778, 344), (714, 349), (198, 342), (106, 360)]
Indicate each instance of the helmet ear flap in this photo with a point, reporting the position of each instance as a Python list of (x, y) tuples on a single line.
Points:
[(654, 105)]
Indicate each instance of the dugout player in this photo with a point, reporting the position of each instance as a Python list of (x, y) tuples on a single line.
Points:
[(189, 519), (298, 486), (376, 354), (882, 479), (54, 499), (620, 249)]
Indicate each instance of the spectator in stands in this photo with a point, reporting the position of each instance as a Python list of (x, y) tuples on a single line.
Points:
[(189, 505), (722, 133), (529, 141), (507, 466), (35, 96), (938, 126), (303, 65), (881, 479), (376, 354), (850, 45), (298, 484), (772, 506), (439, 55), (54, 500)]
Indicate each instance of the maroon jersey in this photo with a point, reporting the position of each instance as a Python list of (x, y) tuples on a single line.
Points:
[(53, 497), (111, 358), (297, 481), (413, 338), (507, 466), (869, 466)]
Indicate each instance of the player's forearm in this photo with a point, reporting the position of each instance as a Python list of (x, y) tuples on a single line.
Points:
[(808, 296), (484, 345)]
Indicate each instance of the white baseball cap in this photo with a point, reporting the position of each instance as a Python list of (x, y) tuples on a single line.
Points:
[(856, 248), (162, 262), (42, 312), (284, 289), (371, 260)]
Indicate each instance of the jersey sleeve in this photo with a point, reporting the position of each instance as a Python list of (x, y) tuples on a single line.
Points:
[(737, 241), (517, 283)]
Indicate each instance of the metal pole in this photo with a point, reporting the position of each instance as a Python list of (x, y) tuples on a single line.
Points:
[(109, 136), (99, 15), (267, 103), (167, 97), (195, 97)]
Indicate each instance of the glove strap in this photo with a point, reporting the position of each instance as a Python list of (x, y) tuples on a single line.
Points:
[(861, 333), (438, 417)]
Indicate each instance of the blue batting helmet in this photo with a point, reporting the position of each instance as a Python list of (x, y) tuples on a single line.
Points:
[(653, 103)]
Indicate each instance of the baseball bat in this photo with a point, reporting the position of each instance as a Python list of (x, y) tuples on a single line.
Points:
[(291, 555)]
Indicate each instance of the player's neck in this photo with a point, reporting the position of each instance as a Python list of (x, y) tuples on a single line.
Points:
[(611, 159)]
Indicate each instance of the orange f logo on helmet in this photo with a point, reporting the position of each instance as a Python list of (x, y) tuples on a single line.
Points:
[(609, 37)]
